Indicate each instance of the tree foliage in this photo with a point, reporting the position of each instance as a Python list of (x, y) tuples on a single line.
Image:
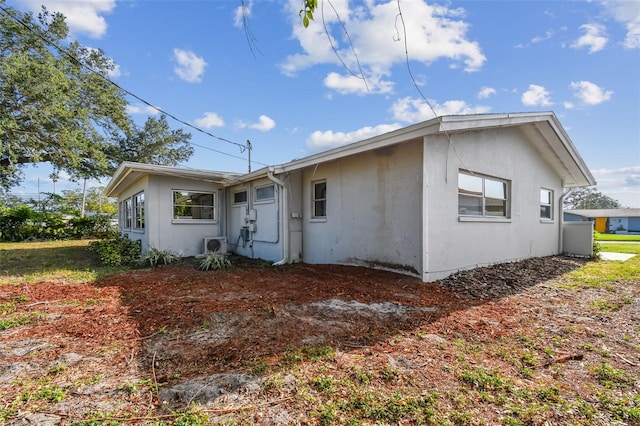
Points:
[(58, 106), (589, 198), (306, 13)]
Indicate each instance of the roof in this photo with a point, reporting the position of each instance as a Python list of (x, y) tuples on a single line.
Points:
[(129, 172), (593, 213), (542, 129)]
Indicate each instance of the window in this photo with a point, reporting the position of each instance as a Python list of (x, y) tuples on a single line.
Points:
[(138, 210), (546, 204), (264, 193), (319, 201), (127, 213), (482, 196), (240, 197), (193, 205)]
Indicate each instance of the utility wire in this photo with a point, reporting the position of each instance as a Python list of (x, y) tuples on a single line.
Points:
[(74, 59)]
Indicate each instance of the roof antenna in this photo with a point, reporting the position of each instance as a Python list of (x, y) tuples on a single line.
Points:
[(249, 153)]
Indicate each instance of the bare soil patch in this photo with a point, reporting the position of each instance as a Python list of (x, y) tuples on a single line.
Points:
[(137, 346)]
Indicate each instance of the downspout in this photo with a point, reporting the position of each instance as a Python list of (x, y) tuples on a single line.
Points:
[(285, 217), (561, 218)]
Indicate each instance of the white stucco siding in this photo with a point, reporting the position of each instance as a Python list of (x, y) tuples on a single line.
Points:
[(141, 185), (180, 236), (452, 243), (373, 209), (265, 238)]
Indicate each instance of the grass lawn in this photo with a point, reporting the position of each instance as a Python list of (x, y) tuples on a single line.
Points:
[(51, 261), (620, 247), (616, 237)]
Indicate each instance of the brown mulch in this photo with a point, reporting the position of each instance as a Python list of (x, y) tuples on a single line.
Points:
[(175, 323)]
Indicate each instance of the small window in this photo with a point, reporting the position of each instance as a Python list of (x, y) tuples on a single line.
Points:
[(482, 196), (128, 213), (193, 205), (546, 204), (240, 197), (264, 193), (138, 210), (319, 201)]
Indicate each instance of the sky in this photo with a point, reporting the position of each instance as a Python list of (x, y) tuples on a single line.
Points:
[(248, 70)]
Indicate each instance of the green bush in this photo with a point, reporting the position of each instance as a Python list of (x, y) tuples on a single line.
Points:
[(23, 223), (154, 257), (214, 261), (117, 251)]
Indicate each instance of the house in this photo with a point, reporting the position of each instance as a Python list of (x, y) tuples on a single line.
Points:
[(451, 193), (615, 221)]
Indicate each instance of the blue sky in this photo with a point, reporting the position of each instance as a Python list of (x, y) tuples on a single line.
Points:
[(250, 71)]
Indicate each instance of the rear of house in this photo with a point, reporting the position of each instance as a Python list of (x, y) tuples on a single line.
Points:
[(427, 200)]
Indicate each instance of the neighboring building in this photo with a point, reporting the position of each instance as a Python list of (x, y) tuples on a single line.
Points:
[(430, 199), (615, 221)]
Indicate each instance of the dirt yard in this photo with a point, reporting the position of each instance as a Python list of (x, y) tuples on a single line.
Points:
[(255, 344)]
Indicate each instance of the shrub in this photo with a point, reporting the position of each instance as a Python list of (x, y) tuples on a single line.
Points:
[(154, 257), (214, 261), (117, 251)]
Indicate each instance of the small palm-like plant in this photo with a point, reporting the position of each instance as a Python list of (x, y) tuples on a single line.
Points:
[(214, 261), (154, 257)]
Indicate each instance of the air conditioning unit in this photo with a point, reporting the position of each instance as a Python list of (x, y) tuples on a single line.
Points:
[(215, 245)]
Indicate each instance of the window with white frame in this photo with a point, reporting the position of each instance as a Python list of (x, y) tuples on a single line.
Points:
[(128, 213), (265, 193), (546, 204), (319, 199), (483, 196), (138, 211), (240, 197), (193, 205)]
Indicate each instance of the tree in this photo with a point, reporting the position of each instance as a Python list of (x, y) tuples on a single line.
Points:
[(58, 106), (589, 198)]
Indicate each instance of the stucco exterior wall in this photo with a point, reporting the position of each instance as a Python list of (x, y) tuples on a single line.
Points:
[(265, 239), (180, 236), (141, 185), (451, 243), (373, 209)]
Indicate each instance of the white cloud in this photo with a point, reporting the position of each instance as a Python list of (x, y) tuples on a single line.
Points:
[(594, 38), (141, 109), (486, 92), (632, 170), (209, 120), (242, 13), (83, 17), (328, 139), (190, 66), (589, 93), (626, 12), (350, 84), (414, 110), (376, 33), (264, 124), (622, 184), (536, 96), (547, 35)]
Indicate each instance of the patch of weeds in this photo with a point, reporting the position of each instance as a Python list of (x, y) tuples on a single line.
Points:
[(389, 374), (482, 379), (625, 409), (527, 341), (606, 305), (273, 384), (256, 367), (18, 320), (58, 368), (326, 414), (50, 394), (134, 387), (154, 257), (214, 262), (458, 418), (548, 394), (360, 376), (309, 353), (97, 418), (324, 384), (612, 378), (191, 417)]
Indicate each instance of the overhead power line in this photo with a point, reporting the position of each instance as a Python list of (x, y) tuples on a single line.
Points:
[(62, 51)]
